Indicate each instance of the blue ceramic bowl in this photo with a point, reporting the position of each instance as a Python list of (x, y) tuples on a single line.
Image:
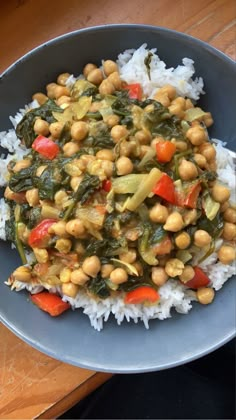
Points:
[(129, 347)]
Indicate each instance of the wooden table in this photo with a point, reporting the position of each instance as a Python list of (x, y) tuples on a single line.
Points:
[(33, 385)]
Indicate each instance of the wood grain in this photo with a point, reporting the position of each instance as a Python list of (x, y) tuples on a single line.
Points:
[(33, 385)]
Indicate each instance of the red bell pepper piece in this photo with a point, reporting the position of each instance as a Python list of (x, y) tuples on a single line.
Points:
[(200, 279), (45, 147), (188, 198), (141, 295), (165, 188), (106, 185), (165, 151), (50, 303), (135, 91), (39, 236)]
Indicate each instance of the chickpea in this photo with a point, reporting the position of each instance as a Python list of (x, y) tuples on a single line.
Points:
[(75, 181), (88, 68), (190, 217), (205, 295), (109, 67), (41, 255), (106, 270), (59, 229), (158, 213), (40, 170), (119, 132), (65, 275), (61, 91), (75, 227), (129, 256), (60, 198), (124, 166), (208, 120), (181, 146), (187, 274), (91, 266), (32, 196), (174, 222), (79, 277), (177, 110), (21, 164), (188, 104), (187, 170), (17, 197), (63, 245), (50, 88), (226, 254), (220, 193), (200, 160), (79, 130), (115, 79), (79, 248), (63, 101), (201, 238), (229, 231), (169, 90), (159, 276), (41, 127), (95, 76), (208, 151), (107, 166), (70, 289), (163, 98), (56, 129), (196, 135), (126, 148), (118, 276), (230, 215), (174, 267), (40, 98), (62, 78), (143, 136), (224, 206), (70, 148), (106, 87), (22, 273), (144, 149), (182, 240), (180, 101), (112, 120), (105, 154)]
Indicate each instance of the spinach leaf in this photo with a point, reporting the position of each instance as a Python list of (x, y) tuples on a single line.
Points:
[(134, 283), (104, 247), (65, 135), (213, 227), (25, 128), (22, 180), (98, 287), (161, 122), (10, 229), (147, 62), (123, 218), (102, 141), (49, 182)]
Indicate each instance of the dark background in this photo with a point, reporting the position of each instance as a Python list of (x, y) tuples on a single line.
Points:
[(203, 389)]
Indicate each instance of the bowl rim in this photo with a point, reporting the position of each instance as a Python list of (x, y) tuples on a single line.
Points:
[(121, 26)]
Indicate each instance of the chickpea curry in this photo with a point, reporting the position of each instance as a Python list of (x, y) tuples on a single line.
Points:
[(117, 192)]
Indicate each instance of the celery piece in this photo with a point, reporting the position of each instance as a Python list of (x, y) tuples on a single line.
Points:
[(144, 189), (128, 184)]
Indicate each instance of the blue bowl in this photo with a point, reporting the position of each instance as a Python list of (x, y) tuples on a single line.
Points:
[(129, 347)]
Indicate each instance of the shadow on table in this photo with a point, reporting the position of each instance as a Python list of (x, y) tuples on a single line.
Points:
[(203, 389)]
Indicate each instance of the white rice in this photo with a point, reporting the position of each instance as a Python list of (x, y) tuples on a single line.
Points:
[(173, 295)]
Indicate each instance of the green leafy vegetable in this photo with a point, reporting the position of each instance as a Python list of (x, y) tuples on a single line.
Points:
[(99, 287), (25, 128)]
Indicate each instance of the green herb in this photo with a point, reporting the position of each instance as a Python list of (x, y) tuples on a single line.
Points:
[(25, 128), (147, 62), (98, 287), (87, 187)]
